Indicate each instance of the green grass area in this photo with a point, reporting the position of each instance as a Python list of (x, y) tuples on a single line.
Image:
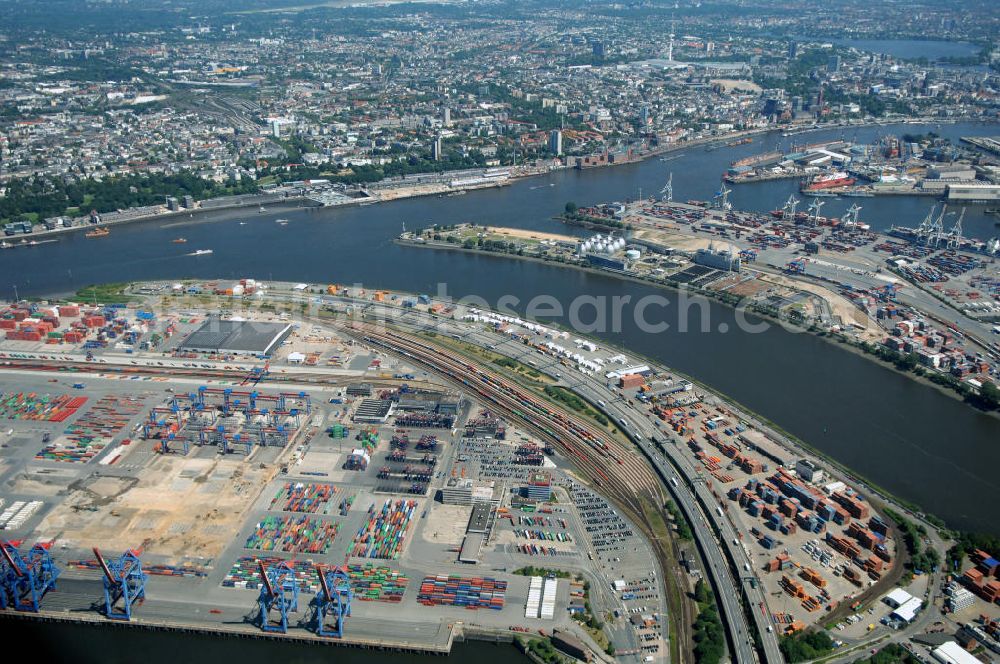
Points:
[(543, 571), (709, 635), (105, 294), (683, 528), (571, 400), (805, 646), (674, 597), (544, 650), (514, 365), (920, 559)]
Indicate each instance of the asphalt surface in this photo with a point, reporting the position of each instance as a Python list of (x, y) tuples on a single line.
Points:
[(692, 495)]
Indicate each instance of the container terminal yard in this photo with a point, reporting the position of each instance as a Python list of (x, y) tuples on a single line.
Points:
[(924, 289), (376, 477)]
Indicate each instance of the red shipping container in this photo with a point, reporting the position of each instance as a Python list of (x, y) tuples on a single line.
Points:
[(8, 324)]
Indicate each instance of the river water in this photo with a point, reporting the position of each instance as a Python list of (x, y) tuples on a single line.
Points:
[(50, 643), (926, 447), (912, 48)]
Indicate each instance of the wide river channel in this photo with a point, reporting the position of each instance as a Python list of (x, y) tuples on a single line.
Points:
[(911, 439)]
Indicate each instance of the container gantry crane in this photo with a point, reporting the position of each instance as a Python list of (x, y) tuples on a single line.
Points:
[(27, 577), (334, 600), (278, 592), (124, 584)]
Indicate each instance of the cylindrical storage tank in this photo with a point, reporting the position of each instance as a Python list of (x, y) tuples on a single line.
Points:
[(632, 254)]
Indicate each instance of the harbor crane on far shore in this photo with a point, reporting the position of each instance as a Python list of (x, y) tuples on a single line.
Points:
[(722, 198), (668, 189), (814, 209)]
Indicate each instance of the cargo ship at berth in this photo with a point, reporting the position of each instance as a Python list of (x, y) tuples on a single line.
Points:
[(828, 181), (98, 232)]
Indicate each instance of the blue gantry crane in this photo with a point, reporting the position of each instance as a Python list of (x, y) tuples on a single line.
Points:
[(124, 584), (333, 600), (26, 578), (278, 592)]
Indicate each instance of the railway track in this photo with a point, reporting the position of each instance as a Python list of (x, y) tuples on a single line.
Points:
[(603, 457)]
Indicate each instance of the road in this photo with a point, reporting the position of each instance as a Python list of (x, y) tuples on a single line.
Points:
[(714, 533)]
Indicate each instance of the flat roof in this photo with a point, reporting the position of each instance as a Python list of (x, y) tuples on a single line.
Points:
[(479, 518), (240, 336), (952, 653), (471, 546), (898, 596), (908, 611)]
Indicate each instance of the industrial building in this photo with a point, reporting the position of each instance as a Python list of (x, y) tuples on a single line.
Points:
[(237, 337), (973, 192), (721, 259), (952, 653), (374, 411), (359, 390), (463, 491), (809, 471), (905, 606), (539, 486)]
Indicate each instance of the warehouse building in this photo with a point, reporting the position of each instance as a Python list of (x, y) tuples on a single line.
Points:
[(973, 192), (952, 653), (237, 337), (374, 411)]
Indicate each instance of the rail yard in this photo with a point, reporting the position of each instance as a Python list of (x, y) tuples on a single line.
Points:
[(390, 464)]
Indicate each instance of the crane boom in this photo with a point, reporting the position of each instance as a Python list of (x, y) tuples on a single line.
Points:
[(104, 566), (263, 577), (322, 581), (10, 561)]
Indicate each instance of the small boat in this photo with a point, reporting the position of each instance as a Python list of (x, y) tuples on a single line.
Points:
[(283, 222), (98, 232), (243, 223), (180, 240), (262, 210), (201, 252)]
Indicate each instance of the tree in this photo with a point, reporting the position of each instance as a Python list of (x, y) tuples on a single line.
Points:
[(989, 394), (571, 207), (701, 594)]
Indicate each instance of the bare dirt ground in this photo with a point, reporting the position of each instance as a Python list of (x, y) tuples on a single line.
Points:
[(531, 235), (178, 507), (446, 524)]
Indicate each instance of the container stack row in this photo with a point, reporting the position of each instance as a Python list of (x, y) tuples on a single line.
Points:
[(292, 535), (156, 570), (534, 597), (19, 511), (245, 573), (471, 593), (300, 497), (39, 407), (383, 534), (90, 434), (548, 611), (377, 583)]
